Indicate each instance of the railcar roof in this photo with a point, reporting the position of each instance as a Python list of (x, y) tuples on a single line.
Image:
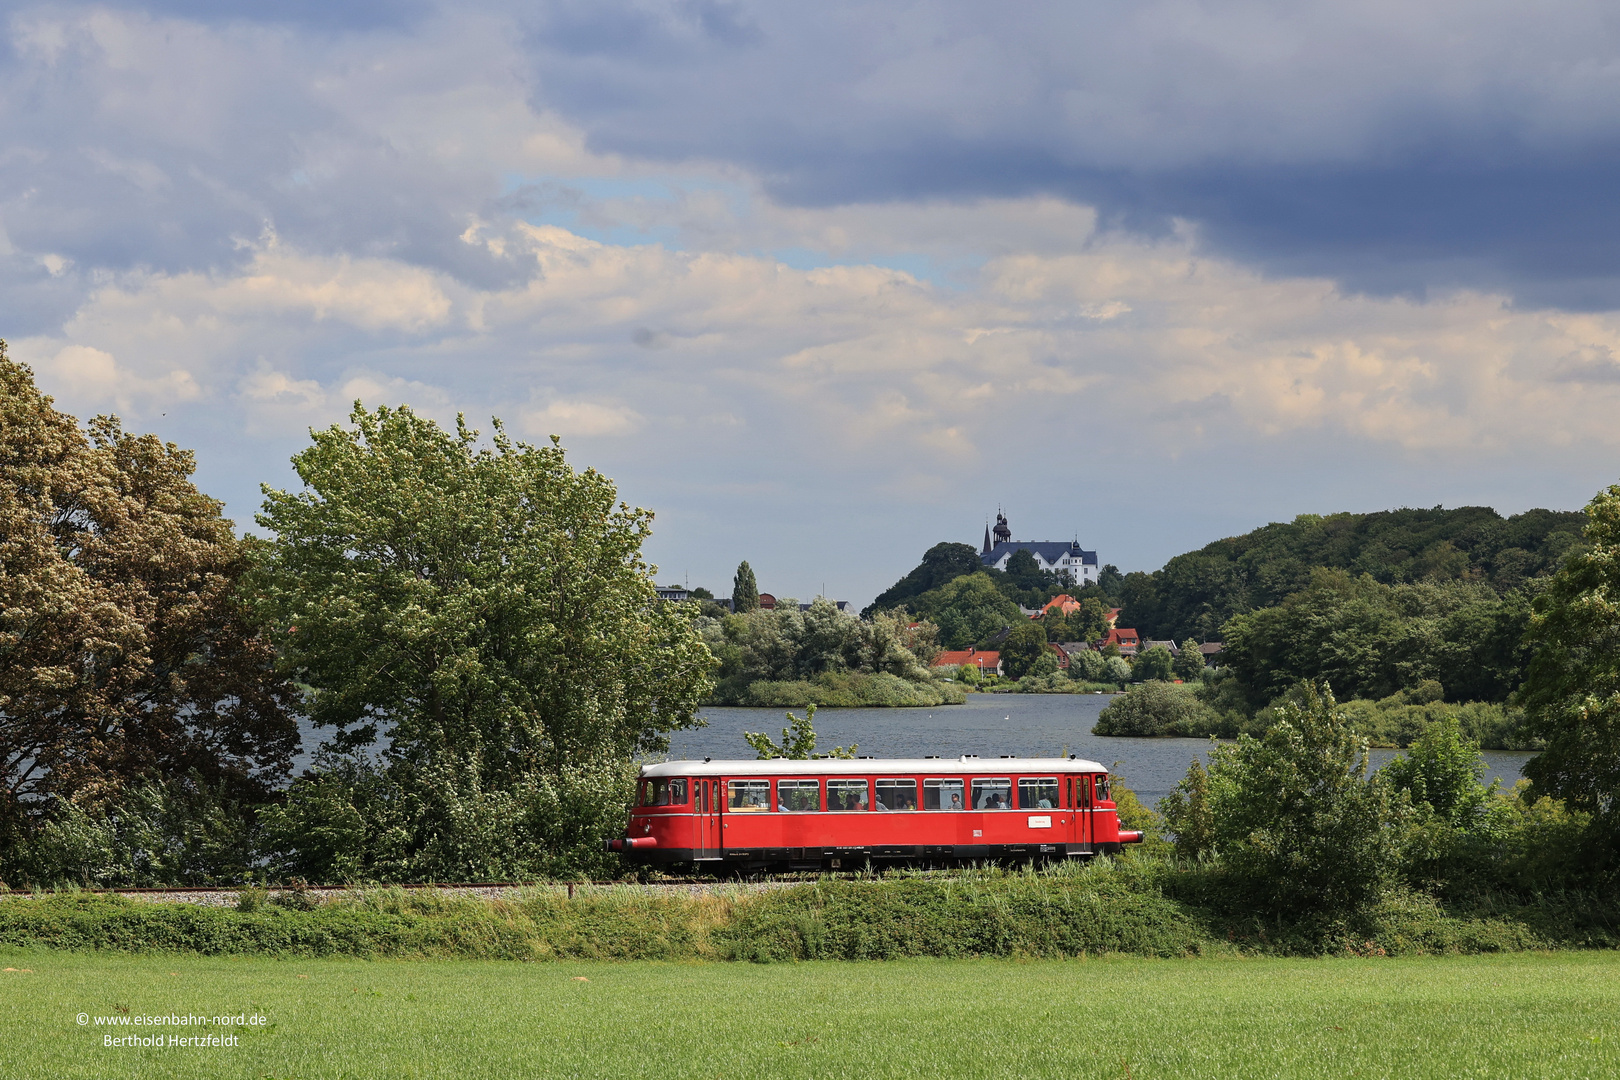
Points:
[(871, 766)]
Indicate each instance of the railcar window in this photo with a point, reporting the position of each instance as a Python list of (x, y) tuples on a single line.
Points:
[(664, 792), (1037, 792), (992, 794), (749, 796), (1103, 793), (896, 794), (943, 795), (798, 796), (846, 795)]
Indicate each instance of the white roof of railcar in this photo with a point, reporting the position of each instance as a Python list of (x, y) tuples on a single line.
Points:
[(872, 766)]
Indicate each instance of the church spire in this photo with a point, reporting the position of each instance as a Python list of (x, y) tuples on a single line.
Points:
[(986, 550)]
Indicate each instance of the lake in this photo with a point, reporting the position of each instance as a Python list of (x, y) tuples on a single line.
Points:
[(1027, 725), (1032, 725)]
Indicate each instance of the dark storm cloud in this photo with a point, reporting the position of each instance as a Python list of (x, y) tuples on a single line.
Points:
[(1394, 147)]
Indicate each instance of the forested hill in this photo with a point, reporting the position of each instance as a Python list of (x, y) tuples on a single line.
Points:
[(1194, 594)]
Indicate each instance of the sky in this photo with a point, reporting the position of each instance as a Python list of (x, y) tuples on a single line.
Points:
[(823, 285)]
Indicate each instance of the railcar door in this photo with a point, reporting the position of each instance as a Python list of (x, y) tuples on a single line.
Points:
[(706, 807), (1084, 833)]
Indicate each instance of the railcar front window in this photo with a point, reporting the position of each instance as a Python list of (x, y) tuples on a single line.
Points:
[(897, 794), (664, 791), (798, 796), (749, 796), (1103, 792), (846, 795), (943, 795), (1037, 792), (992, 794)]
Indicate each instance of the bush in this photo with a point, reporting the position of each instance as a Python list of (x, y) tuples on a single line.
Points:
[(180, 833), (354, 820), (1088, 666), (840, 689), (1155, 708), (1154, 664), (1296, 817), (1136, 906)]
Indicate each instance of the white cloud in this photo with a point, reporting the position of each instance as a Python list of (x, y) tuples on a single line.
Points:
[(94, 377), (581, 418)]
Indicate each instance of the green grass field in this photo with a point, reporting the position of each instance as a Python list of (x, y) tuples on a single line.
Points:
[(1520, 1015)]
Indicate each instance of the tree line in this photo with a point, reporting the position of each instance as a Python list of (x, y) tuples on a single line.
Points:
[(471, 627)]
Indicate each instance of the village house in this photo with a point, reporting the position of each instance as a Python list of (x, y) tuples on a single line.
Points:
[(988, 663)]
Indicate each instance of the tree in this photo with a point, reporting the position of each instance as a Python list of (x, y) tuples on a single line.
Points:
[(1116, 669), (1571, 692), (127, 656), (798, 741), (1189, 664), (941, 563), (744, 590), (1153, 664), (1442, 770), (967, 610), (1187, 814), (1088, 666), (1025, 645), (1296, 814), (1154, 708), (483, 613)]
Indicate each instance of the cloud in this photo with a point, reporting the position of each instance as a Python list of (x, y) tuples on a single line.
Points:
[(92, 376), (1394, 148), (581, 418), (796, 277)]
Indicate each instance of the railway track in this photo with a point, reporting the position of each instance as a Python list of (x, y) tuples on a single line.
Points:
[(215, 896)]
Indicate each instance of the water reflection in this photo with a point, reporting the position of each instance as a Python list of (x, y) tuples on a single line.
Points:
[(990, 725)]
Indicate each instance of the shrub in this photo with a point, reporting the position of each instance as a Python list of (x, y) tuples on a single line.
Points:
[(1155, 708), (182, 833), (1088, 666), (1155, 663), (1297, 818)]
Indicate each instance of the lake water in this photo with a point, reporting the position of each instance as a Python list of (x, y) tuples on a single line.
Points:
[(1026, 725), (1032, 725)]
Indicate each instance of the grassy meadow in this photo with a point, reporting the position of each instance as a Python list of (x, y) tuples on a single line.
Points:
[(1519, 1015)]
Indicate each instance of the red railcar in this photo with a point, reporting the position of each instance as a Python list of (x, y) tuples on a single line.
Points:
[(844, 813)]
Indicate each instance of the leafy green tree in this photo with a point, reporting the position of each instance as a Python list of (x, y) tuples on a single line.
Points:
[(1116, 669), (1088, 666), (967, 610), (1442, 771), (798, 741), (1571, 691), (1025, 645), (1194, 594), (1155, 708), (1369, 640), (744, 590), (1296, 815), (941, 563), (1189, 664), (127, 657), (1187, 814), (483, 614), (1154, 663)]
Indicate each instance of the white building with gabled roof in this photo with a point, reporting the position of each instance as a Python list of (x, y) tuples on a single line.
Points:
[(1059, 557)]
